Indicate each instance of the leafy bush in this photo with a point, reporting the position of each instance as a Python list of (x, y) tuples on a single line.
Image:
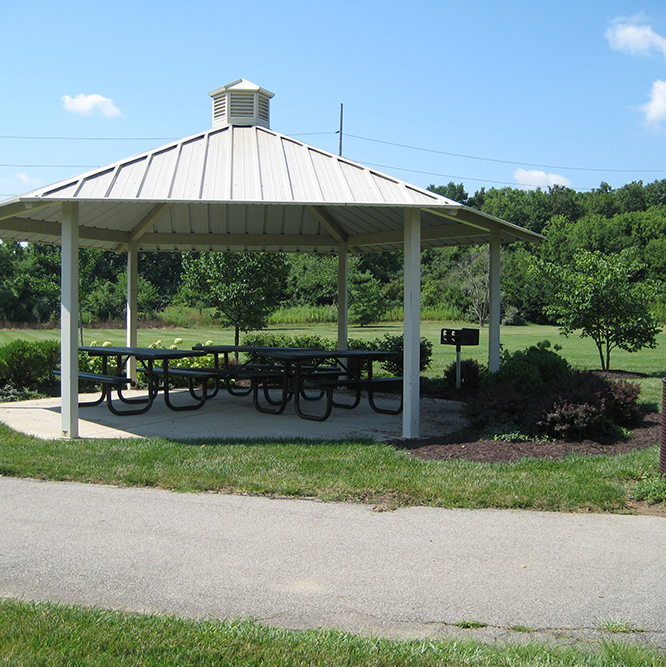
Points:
[(498, 405), (395, 366), (575, 421), (25, 365), (532, 368), (622, 403), (537, 393), (388, 343), (10, 394), (511, 316), (471, 374)]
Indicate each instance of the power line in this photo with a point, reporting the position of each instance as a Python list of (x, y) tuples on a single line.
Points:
[(54, 166), (90, 138), (355, 136), (513, 162), (466, 178)]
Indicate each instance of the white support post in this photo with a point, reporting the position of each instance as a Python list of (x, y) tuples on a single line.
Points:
[(132, 307), (343, 296), (69, 311), (494, 317), (412, 324)]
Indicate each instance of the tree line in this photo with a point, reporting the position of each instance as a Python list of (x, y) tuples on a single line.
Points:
[(629, 219)]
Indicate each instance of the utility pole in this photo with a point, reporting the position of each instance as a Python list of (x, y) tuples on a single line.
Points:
[(340, 147)]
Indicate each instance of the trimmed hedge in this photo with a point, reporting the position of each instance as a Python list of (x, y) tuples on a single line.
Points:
[(388, 343), (29, 366)]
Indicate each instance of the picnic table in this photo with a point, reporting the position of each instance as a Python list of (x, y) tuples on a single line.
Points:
[(306, 370), (230, 372), (304, 374), (157, 377)]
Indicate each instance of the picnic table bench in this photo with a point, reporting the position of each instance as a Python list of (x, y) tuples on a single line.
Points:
[(147, 357), (107, 382)]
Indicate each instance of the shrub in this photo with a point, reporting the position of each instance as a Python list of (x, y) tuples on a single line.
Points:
[(537, 392), (617, 402), (395, 366), (511, 316), (25, 365), (10, 394), (623, 402), (575, 421), (532, 368), (470, 374), (499, 405), (388, 343)]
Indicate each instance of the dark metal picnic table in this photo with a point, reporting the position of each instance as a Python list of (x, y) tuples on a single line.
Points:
[(306, 371), (230, 372), (156, 376)]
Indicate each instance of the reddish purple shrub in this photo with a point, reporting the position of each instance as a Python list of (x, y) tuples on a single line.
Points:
[(582, 405), (574, 421)]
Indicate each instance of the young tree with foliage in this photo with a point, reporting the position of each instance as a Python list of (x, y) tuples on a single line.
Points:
[(312, 279), (366, 300), (473, 277), (244, 288), (603, 297)]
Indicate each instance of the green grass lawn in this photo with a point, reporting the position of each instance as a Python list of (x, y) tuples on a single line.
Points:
[(333, 471), (581, 353), (49, 634)]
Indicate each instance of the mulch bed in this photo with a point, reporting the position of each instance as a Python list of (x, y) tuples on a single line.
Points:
[(467, 445)]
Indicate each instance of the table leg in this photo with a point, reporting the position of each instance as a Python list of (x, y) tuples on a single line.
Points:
[(167, 399)]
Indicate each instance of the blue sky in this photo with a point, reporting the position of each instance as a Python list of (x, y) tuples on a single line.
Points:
[(479, 92)]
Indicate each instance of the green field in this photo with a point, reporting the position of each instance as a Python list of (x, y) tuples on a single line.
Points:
[(581, 353)]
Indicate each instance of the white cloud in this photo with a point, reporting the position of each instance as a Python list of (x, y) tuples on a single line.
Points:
[(28, 180), (539, 179), (87, 104), (638, 40), (655, 109)]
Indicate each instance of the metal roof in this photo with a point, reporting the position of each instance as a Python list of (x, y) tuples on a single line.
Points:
[(244, 188)]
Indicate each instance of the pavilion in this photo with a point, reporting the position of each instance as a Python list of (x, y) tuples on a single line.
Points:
[(241, 187)]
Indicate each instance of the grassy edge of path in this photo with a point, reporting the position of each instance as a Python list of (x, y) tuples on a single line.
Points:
[(356, 471), (46, 633)]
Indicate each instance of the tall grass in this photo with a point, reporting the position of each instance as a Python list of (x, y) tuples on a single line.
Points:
[(304, 315), (187, 318)]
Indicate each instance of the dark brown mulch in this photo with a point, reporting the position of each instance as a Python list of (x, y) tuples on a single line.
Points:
[(467, 445)]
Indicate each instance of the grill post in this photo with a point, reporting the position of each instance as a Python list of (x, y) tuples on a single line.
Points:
[(662, 439)]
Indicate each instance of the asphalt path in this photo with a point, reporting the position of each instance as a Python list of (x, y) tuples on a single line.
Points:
[(410, 573)]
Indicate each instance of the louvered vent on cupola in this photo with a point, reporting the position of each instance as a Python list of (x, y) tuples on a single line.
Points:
[(241, 103)]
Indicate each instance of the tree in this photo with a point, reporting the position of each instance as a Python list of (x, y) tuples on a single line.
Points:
[(455, 191), (366, 303), (29, 282), (313, 279), (107, 300), (244, 288), (164, 271), (473, 277), (603, 297)]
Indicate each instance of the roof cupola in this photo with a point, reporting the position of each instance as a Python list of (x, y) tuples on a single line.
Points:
[(241, 103)]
